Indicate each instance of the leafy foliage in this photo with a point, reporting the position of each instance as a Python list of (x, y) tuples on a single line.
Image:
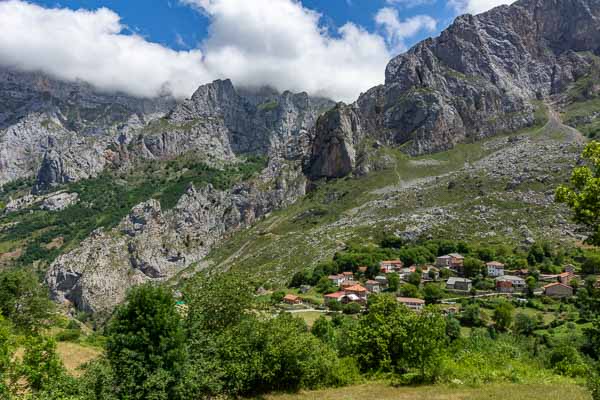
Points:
[(583, 195)]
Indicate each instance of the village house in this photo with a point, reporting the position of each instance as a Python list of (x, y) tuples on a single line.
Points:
[(455, 283), (405, 272), (452, 261), (336, 279), (429, 272), (357, 290), (518, 283), (495, 269), (558, 290), (504, 287), (292, 299), (383, 281), (373, 286), (412, 303), (346, 284), (565, 277), (334, 297), (348, 276), (388, 266)]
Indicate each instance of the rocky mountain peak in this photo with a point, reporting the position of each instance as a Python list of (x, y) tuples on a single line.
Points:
[(479, 78)]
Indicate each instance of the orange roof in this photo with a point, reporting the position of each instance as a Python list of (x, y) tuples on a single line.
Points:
[(494, 264), (335, 295), (410, 300), (556, 284), (356, 288), (565, 274), (393, 262), (362, 269), (347, 273), (290, 297)]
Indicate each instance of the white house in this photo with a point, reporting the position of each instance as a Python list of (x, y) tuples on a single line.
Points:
[(495, 269)]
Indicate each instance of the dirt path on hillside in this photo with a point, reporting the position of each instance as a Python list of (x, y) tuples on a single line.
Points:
[(555, 124)]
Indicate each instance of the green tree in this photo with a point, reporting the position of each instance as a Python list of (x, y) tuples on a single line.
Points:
[(6, 356), (472, 316), (525, 324), (381, 334), (531, 285), (23, 300), (277, 297), (452, 328), (426, 340), (325, 286), (393, 282), (414, 279), (503, 316), (352, 308), (409, 290), (583, 194), (41, 367), (217, 302), (591, 265), (323, 329), (472, 267), (432, 293), (146, 345), (98, 381)]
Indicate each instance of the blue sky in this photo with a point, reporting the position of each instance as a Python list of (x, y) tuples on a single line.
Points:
[(178, 26), (332, 48)]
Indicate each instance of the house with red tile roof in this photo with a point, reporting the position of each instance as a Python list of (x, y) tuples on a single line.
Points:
[(334, 297), (558, 290), (357, 290), (388, 266), (292, 299)]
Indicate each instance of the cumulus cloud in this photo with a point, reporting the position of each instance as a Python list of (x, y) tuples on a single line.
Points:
[(476, 6), (91, 46), (279, 43), (397, 31)]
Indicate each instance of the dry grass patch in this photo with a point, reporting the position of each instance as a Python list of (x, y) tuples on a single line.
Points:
[(74, 355), (381, 391)]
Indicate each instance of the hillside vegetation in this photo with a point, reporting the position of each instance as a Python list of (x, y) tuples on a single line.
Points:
[(499, 190)]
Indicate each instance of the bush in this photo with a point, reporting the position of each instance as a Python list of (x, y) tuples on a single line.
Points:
[(352, 308), (68, 335)]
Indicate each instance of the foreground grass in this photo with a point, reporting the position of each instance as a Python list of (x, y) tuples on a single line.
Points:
[(382, 391)]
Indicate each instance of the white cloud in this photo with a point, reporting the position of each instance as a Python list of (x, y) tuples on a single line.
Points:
[(476, 6), (396, 31), (260, 42), (90, 45)]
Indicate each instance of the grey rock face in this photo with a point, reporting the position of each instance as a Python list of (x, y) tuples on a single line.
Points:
[(153, 245), (255, 121), (62, 127), (333, 152), (59, 201), (479, 77)]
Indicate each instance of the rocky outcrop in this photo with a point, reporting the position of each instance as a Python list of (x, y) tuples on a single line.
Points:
[(256, 121), (153, 245), (334, 151), (479, 77)]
